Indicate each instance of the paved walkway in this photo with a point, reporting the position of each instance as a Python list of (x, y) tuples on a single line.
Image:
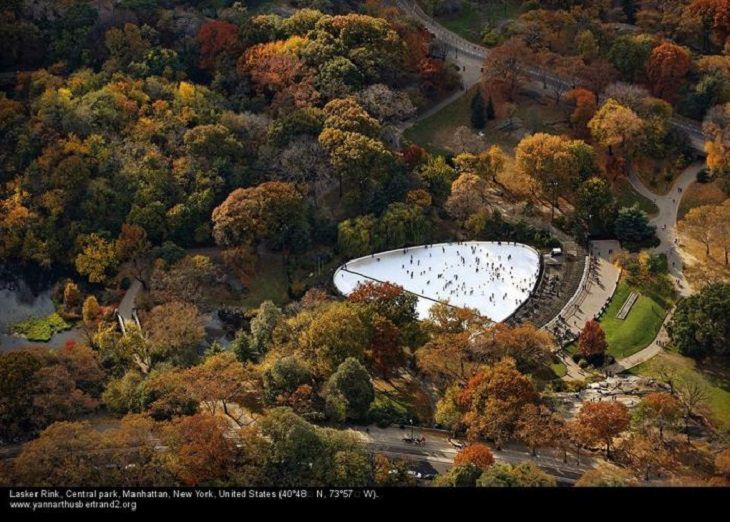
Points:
[(128, 304), (588, 303), (666, 221)]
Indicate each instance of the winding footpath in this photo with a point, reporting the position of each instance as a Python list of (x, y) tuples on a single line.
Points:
[(666, 225), (469, 58), (666, 221)]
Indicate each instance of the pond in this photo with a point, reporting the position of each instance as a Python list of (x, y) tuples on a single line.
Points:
[(18, 301)]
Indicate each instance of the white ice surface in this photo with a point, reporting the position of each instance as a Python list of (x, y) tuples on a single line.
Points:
[(491, 277)]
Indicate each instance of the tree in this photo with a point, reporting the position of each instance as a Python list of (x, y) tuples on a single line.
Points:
[(270, 211), (714, 17), (448, 411), (478, 111), (716, 127), (503, 67), (700, 325), (445, 358), (262, 326), (468, 195), (96, 258), (299, 454), (494, 399), (216, 38), (358, 236), (460, 476), (133, 245), (221, 380), (438, 177), (629, 54), (357, 158), (39, 387), (522, 475), (700, 223), (90, 309), (352, 383), (174, 330), (646, 453), (658, 410), (595, 207), (606, 475), (535, 427), (488, 164), (477, 454), (200, 452), (693, 396), (75, 453), (667, 67), (282, 378), (603, 421), (632, 227), (402, 224), (71, 296), (617, 126), (592, 340), (555, 162), (585, 108), (338, 331), (388, 300), (530, 348), (385, 355)]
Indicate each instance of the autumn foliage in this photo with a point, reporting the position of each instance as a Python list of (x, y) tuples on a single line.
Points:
[(592, 339), (477, 454), (214, 38), (667, 67)]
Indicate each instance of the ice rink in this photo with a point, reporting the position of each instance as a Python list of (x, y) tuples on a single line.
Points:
[(495, 278)]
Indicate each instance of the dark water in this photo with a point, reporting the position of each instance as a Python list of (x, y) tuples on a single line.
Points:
[(23, 298)]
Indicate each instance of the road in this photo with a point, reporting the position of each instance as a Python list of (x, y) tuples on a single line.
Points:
[(439, 453), (470, 58)]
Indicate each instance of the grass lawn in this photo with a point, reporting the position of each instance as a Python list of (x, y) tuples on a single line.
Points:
[(699, 194), (439, 133), (559, 369), (714, 378), (269, 282), (433, 132), (473, 16), (638, 330), (404, 397), (626, 196)]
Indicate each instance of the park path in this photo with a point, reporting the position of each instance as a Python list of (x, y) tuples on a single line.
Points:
[(666, 224), (666, 221), (640, 357), (128, 304)]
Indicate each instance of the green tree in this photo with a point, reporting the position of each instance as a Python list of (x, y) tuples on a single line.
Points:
[(352, 383), (595, 207), (478, 111), (523, 475), (633, 229), (700, 325), (262, 326)]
